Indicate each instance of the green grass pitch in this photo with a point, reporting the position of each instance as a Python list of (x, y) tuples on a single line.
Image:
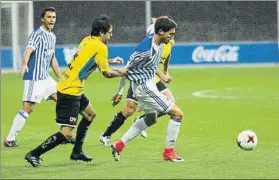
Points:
[(217, 103)]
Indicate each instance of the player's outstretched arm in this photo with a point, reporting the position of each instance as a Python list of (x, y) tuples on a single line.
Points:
[(121, 85), (118, 96), (25, 60), (116, 60), (55, 68), (115, 73)]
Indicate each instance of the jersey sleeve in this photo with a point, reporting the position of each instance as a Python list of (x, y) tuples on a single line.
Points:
[(33, 41), (121, 85), (102, 59)]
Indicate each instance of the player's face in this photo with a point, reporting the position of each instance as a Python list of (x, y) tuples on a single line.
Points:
[(106, 37), (49, 20), (167, 36)]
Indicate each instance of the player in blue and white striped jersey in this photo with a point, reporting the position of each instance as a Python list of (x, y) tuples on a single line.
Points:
[(142, 66), (39, 55), (131, 105)]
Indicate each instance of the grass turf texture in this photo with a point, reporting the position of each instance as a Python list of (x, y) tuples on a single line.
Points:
[(236, 99)]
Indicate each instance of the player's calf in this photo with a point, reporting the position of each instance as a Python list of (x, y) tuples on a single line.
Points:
[(69, 141), (142, 133)]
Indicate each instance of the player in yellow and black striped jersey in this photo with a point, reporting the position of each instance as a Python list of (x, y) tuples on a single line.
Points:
[(92, 53), (131, 101)]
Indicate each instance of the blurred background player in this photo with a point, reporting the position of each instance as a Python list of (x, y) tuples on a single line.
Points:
[(131, 101), (142, 67), (38, 84), (92, 53)]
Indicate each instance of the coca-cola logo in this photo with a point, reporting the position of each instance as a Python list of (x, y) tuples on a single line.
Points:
[(224, 53)]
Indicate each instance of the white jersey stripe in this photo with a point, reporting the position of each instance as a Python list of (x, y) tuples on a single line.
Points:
[(157, 99), (43, 43)]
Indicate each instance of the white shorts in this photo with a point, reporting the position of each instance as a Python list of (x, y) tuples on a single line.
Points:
[(150, 99), (35, 91)]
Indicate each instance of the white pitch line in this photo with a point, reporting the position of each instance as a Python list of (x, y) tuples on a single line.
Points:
[(204, 94)]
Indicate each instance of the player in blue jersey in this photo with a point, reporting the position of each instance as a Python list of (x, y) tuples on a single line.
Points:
[(162, 76), (142, 67), (39, 55)]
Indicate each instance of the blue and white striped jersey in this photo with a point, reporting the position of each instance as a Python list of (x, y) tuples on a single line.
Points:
[(144, 61), (43, 44)]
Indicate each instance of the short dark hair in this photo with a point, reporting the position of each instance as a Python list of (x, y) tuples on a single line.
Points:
[(164, 23), (52, 9), (101, 25)]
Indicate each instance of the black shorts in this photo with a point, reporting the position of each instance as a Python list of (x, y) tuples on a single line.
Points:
[(68, 107), (130, 95)]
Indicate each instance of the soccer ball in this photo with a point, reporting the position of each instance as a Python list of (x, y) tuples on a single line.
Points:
[(247, 140)]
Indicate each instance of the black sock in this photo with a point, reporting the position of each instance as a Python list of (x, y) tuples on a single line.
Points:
[(115, 124), (159, 115), (51, 142), (82, 129)]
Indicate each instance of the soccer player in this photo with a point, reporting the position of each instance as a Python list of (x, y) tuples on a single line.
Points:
[(131, 101), (142, 67), (38, 84), (92, 53)]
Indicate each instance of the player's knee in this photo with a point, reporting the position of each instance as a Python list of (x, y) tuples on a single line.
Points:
[(128, 111), (178, 115), (29, 111), (150, 119), (67, 131), (28, 107), (89, 116)]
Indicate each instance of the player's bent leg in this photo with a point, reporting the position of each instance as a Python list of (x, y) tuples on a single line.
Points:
[(133, 132), (88, 112), (18, 124), (67, 131), (143, 133), (33, 157), (169, 153), (168, 93), (28, 106), (130, 108), (176, 112), (149, 119), (118, 121)]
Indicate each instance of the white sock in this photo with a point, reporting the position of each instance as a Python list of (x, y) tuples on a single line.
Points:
[(18, 123), (134, 130), (172, 132)]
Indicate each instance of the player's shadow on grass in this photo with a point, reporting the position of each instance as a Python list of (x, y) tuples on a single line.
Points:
[(72, 164), (99, 145), (57, 165)]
